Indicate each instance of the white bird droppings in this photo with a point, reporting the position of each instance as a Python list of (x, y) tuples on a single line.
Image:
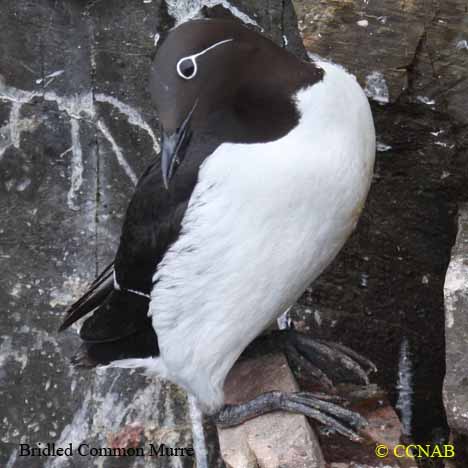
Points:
[(382, 147), (76, 165), (425, 100), (117, 151), (78, 107), (405, 387), (185, 10), (376, 87), (198, 435)]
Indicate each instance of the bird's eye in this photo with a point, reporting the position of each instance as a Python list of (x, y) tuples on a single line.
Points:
[(187, 68)]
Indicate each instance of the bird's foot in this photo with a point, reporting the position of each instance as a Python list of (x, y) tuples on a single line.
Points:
[(313, 405), (326, 362)]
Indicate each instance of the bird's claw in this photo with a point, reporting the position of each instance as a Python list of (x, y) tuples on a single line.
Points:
[(334, 417), (325, 361)]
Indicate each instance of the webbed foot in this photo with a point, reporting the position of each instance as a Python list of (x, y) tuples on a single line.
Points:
[(312, 405)]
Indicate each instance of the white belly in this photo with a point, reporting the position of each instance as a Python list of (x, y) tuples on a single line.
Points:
[(262, 224)]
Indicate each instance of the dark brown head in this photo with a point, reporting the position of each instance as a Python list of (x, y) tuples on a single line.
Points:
[(220, 78)]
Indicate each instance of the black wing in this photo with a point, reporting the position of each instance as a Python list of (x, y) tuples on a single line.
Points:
[(119, 326), (96, 294)]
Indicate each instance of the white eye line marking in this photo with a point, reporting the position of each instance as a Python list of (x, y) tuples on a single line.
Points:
[(193, 58)]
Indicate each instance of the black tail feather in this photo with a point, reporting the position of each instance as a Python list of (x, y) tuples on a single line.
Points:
[(118, 326), (95, 296), (83, 360), (138, 345)]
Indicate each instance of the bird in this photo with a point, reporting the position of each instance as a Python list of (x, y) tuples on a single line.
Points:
[(265, 165)]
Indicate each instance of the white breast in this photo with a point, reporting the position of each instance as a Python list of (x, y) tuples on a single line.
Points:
[(263, 222)]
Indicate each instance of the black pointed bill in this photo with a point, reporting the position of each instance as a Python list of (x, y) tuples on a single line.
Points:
[(173, 148)]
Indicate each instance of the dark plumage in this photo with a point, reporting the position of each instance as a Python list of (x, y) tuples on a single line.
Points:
[(240, 108), (265, 164), (119, 319)]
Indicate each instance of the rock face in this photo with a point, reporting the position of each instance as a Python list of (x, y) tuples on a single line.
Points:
[(412, 45), (456, 330), (76, 130), (275, 440), (75, 133), (387, 284)]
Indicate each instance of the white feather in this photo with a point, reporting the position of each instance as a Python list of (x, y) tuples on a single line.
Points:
[(263, 222)]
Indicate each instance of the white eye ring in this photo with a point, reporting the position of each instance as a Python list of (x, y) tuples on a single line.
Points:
[(193, 59), (194, 64)]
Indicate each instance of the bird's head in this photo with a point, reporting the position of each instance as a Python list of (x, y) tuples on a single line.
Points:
[(220, 78)]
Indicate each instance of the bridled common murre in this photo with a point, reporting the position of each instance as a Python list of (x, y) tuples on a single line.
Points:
[(265, 166)]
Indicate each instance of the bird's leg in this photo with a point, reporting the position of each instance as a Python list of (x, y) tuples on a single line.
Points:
[(312, 405), (324, 361)]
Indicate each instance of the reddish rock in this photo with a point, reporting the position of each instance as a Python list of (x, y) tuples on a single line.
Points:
[(273, 440), (129, 436)]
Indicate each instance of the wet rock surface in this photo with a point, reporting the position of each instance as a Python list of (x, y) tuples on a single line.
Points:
[(384, 429), (75, 133), (76, 130), (386, 286)]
